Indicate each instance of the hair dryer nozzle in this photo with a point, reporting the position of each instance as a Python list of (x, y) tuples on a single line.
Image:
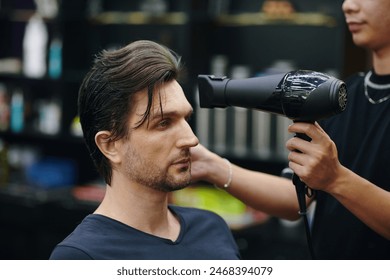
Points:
[(212, 91)]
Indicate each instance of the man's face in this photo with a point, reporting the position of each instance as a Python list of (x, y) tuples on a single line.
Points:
[(157, 154)]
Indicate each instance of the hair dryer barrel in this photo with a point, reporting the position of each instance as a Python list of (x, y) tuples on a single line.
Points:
[(300, 95), (253, 93)]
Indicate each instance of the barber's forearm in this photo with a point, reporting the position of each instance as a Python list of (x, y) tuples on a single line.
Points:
[(268, 193), (365, 200)]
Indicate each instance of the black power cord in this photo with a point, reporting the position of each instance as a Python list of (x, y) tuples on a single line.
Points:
[(302, 190)]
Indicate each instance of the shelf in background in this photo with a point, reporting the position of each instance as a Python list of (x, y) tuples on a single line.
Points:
[(139, 18), (248, 19)]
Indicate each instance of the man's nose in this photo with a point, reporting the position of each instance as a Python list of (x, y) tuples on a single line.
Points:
[(188, 138)]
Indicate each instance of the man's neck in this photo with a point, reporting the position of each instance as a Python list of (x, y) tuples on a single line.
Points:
[(142, 208)]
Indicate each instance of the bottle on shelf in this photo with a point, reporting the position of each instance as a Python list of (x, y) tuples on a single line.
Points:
[(35, 47), (50, 116), (17, 111), (55, 58)]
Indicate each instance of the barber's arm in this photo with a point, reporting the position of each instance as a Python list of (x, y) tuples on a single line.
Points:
[(318, 166)]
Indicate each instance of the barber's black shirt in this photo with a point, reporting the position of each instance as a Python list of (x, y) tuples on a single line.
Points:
[(362, 136)]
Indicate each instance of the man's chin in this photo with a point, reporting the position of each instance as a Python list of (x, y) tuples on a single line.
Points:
[(177, 188), (179, 185)]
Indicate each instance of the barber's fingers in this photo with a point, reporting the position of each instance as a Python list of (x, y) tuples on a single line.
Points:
[(319, 138), (319, 127), (298, 159), (308, 154), (298, 169), (314, 131), (304, 164)]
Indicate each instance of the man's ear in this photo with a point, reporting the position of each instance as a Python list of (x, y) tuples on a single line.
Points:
[(108, 146)]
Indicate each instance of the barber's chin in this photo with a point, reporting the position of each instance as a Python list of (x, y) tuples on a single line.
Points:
[(360, 40)]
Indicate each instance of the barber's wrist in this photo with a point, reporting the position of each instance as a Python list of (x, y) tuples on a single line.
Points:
[(226, 174)]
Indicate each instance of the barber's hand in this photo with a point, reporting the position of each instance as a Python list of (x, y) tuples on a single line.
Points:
[(316, 163), (200, 157)]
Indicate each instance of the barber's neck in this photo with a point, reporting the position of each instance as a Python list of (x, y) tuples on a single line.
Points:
[(381, 61)]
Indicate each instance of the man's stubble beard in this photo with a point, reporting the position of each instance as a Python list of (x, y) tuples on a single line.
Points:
[(151, 175)]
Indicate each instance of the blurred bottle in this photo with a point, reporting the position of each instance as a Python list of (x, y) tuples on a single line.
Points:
[(240, 116), (35, 47), (55, 58), (154, 7), (17, 111), (50, 116)]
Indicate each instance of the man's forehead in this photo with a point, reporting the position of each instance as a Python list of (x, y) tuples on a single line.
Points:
[(167, 99), (170, 103), (159, 102)]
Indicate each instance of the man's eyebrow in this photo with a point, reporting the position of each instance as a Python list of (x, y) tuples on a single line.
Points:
[(163, 114)]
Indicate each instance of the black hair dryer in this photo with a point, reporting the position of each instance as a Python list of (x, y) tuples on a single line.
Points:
[(301, 95)]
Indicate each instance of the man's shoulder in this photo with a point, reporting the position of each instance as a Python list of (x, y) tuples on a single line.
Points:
[(193, 211), (90, 229), (95, 234), (198, 216)]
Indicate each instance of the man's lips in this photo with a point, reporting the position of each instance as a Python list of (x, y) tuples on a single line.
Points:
[(182, 162)]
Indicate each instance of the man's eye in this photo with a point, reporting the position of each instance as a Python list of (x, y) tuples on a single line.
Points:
[(164, 123)]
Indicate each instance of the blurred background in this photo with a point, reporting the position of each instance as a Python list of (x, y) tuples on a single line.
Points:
[(47, 181)]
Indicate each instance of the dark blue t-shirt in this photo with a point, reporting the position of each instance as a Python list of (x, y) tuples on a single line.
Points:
[(203, 235)]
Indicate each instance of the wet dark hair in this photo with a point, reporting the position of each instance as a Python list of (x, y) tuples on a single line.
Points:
[(105, 95)]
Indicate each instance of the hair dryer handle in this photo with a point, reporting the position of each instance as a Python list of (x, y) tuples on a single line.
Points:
[(300, 187)]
